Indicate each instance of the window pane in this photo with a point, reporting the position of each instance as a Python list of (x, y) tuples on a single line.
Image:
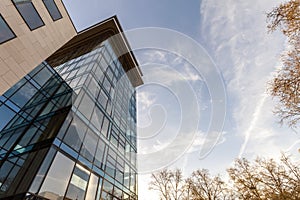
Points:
[(86, 106), (5, 32), (89, 145), (107, 186), (78, 183), (99, 153), (75, 134), (29, 13), (92, 188), (42, 76), (42, 171), (57, 178), (97, 118), (24, 94), (52, 9), (6, 115)]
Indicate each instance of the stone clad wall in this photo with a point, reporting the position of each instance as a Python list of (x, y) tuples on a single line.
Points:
[(23, 53)]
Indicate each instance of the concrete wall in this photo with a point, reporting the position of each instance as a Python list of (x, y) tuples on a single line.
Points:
[(23, 53)]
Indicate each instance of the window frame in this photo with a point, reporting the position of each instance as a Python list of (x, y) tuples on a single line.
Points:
[(5, 22), (43, 23), (50, 12)]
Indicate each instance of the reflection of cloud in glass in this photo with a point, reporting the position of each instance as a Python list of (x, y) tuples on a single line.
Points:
[(58, 176)]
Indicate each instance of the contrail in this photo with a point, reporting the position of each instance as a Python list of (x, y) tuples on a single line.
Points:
[(252, 124)]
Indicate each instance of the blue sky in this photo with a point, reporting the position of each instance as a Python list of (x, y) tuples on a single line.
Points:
[(234, 39)]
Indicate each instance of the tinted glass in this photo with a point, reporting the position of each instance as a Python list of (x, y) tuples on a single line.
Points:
[(24, 94), (75, 134), (5, 116), (5, 32), (89, 145), (92, 188), (52, 9), (86, 106), (29, 13), (78, 184), (58, 177)]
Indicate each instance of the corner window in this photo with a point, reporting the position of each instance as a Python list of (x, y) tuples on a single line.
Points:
[(29, 13), (52, 9), (5, 32)]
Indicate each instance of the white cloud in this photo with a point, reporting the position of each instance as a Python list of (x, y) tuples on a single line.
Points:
[(145, 99), (235, 34), (179, 68), (200, 141)]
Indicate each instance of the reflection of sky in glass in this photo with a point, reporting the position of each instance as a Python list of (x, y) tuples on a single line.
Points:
[(24, 94), (42, 76), (5, 116), (58, 175)]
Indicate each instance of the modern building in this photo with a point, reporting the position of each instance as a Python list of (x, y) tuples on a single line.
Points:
[(67, 106)]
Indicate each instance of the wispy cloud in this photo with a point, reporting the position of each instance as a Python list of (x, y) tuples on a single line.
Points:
[(236, 36), (255, 117), (179, 68)]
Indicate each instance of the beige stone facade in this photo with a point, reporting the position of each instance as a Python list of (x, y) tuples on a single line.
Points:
[(29, 48)]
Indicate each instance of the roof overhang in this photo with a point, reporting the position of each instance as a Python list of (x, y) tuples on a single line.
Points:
[(93, 36)]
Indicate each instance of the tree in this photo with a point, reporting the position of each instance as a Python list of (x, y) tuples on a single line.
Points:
[(285, 85), (169, 184), (160, 182), (266, 179), (245, 180), (261, 179), (286, 17), (177, 184), (203, 186)]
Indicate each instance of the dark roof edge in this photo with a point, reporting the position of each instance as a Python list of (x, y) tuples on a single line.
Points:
[(121, 32), (99, 33)]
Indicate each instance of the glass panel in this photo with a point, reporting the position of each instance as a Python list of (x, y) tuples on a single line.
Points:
[(52, 9), (25, 93), (42, 76), (99, 153), (97, 118), (42, 171), (99, 189), (6, 115), (57, 179), (75, 133), (102, 99), (94, 88), (78, 183), (89, 145), (86, 106), (118, 192), (92, 188), (4, 171), (5, 32), (107, 186), (105, 126), (29, 13)]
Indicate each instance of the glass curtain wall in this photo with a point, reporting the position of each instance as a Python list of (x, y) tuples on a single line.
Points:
[(32, 112), (98, 140)]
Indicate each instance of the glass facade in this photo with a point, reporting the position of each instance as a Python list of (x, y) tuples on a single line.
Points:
[(92, 152), (32, 111)]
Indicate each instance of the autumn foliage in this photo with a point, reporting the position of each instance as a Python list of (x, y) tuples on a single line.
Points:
[(262, 179), (285, 86)]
